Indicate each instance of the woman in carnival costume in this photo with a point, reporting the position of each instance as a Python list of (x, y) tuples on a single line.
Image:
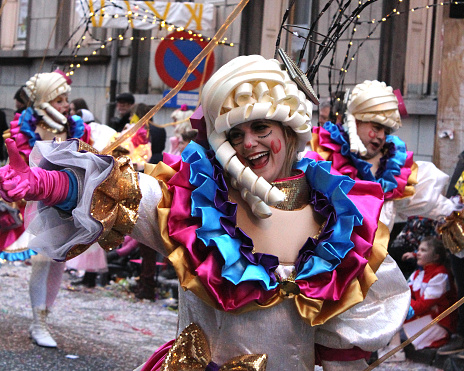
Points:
[(44, 120), (277, 257), (363, 148)]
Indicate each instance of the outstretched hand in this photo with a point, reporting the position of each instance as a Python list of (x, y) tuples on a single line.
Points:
[(16, 178)]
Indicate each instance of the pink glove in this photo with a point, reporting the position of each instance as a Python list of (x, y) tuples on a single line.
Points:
[(141, 137), (18, 181)]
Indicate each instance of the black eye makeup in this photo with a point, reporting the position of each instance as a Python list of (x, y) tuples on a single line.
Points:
[(235, 137), (265, 136)]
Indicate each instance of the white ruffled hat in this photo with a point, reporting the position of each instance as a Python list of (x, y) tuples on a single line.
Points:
[(42, 88), (371, 101), (246, 89)]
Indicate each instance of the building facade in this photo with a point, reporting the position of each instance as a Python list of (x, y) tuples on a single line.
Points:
[(400, 42)]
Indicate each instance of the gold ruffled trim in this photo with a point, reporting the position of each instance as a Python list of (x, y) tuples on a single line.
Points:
[(191, 351), (115, 204), (452, 232), (314, 143), (410, 188), (6, 134), (313, 311)]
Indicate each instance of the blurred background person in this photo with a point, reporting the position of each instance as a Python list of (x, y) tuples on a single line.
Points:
[(124, 104), (157, 136), (324, 111), (76, 105)]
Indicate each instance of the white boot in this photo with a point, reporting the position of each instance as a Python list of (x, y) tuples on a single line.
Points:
[(39, 330)]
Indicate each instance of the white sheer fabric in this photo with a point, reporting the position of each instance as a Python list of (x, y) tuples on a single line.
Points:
[(427, 201), (55, 231), (278, 331)]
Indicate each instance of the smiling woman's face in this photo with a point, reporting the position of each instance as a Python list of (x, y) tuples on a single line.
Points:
[(261, 146)]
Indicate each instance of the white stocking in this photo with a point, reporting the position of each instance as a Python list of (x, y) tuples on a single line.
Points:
[(45, 281)]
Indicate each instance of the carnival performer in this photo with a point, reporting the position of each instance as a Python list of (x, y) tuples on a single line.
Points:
[(183, 131), (364, 149), (46, 119), (281, 261)]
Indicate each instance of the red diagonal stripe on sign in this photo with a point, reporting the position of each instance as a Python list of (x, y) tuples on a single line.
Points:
[(184, 60)]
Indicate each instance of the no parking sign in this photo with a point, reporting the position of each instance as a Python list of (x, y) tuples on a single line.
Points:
[(173, 57)]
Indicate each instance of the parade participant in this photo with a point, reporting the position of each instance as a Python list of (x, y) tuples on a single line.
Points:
[(124, 104), (177, 142), (432, 292), (44, 120), (274, 255), (364, 149), (76, 105)]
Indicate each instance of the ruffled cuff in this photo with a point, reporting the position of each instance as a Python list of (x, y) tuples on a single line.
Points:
[(107, 205)]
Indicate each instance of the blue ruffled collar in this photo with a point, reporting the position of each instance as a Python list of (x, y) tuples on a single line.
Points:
[(218, 215), (391, 162), (28, 124)]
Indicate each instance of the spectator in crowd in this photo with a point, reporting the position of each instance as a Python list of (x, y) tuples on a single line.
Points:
[(157, 135), (86, 115), (21, 100), (183, 131), (432, 292), (408, 240), (324, 111), (76, 105), (124, 104)]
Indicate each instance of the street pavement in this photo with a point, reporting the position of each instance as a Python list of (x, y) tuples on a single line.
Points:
[(104, 328)]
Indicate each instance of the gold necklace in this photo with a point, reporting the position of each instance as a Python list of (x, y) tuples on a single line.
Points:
[(296, 193)]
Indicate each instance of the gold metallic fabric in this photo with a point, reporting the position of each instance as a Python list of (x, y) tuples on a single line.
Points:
[(296, 194), (6, 134), (191, 352), (452, 232), (115, 205), (85, 147)]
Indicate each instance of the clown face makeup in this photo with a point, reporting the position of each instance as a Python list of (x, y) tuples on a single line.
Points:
[(60, 103), (373, 136), (261, 146)]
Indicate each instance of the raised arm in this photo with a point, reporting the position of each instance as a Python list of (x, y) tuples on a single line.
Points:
[(94, 198)]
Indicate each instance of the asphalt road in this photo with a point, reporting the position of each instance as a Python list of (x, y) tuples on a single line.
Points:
[(96, 329)]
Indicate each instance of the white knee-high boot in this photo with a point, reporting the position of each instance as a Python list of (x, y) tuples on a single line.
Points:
[(39, 330), (44, 285)]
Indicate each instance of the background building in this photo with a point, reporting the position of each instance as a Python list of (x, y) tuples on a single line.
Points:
[(414, 45)]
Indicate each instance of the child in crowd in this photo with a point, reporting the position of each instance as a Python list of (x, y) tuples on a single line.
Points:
[(432, 292)]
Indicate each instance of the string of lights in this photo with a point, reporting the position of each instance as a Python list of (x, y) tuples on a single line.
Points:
[(146, 16), (339, 22)]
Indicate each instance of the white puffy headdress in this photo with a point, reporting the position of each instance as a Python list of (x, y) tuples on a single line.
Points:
[(246, 89), (43, 88), (371, 101)]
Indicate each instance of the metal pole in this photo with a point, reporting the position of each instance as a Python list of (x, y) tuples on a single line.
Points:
[(114, 75)]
